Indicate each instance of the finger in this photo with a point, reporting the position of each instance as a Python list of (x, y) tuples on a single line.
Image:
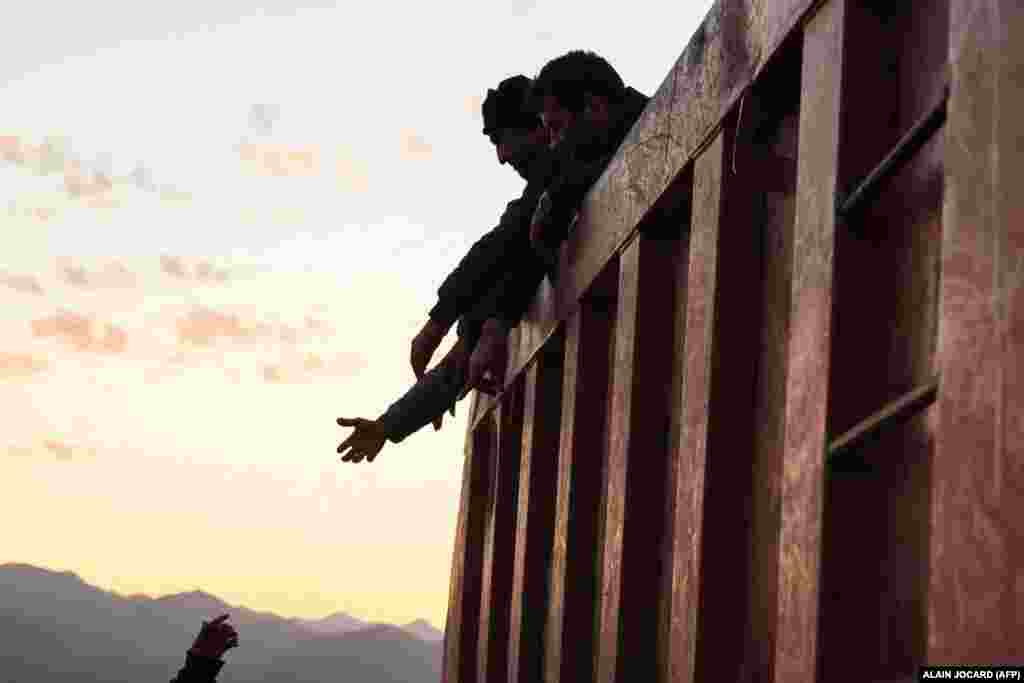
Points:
[(219, 619), (437, 423), (350, 421), (347, 443)]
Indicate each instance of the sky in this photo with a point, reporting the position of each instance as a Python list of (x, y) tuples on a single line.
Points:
[(220, 226)]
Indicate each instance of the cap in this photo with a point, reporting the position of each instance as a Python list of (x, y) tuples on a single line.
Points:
[(509, 106)]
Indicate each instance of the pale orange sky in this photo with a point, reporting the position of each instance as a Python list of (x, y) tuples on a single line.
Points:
[(220, 229)]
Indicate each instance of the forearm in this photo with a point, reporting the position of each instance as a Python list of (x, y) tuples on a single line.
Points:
[(198, 669), (425, 401)]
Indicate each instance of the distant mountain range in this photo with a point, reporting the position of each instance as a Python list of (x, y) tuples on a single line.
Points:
[(55, 628)]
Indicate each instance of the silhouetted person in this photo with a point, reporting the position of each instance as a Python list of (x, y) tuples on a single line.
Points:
[(515, 130), (587, 111), (203, 660)]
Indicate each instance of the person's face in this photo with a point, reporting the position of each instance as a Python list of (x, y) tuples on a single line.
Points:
[(559, 121), (513, 145), (556, 118)]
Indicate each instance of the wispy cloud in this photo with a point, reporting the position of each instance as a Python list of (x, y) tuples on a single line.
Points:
[(202, 271), (202, 326), (82, 333), (113, 275), (27, 284), (54, 447), (280, 160), (20, 365)]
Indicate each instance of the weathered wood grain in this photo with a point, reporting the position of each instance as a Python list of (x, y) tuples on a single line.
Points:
[(534, 532), (977, 550), (809, 346)]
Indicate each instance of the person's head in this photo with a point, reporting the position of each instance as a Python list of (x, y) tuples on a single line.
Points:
[(511, 123), (578, 86)]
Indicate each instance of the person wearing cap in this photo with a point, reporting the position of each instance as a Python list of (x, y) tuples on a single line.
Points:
[(519, 139), (515, 130), (587, 112)]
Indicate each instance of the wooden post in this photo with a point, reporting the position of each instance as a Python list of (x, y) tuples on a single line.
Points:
[(499, 541), (534, 532), (569, 648), (462, 629), (637, 465), (693, 419), (805, 438), (976, 602)]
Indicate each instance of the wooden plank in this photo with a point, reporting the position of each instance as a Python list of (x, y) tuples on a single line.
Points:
[(569, 649), (693, 419), (637, 466), (499, 542), (805, 437), (461, 632), (614, 494), (977, 547), (776, 246), (484, 622), (534, 532)]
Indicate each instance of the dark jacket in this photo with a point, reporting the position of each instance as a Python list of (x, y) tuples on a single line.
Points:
[(575, 166), (198, 670), (493, 254), (426, 400)]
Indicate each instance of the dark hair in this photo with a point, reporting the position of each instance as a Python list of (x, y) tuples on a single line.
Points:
[(570, 77), (510, 106)]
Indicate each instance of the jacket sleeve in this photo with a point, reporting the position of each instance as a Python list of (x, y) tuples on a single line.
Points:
[(426, 400), (198, 670), (511, 296), (485, 261)]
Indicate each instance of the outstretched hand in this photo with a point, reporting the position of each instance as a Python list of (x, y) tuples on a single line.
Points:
[(365, 442), (215, 638)]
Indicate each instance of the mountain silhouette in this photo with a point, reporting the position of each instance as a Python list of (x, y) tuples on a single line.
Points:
[(423, 630), (58, 629)]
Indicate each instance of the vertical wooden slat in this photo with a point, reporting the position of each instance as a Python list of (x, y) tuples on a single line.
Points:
[(499, 541), (636, 491), (614, 503), (802, 483), (537, 486), (693, 418), (461, 631), (977, 547), (569, 647), (484, 625)]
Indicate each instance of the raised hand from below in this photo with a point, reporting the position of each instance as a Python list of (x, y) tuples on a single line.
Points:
[(365, 442), (215, 638)]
